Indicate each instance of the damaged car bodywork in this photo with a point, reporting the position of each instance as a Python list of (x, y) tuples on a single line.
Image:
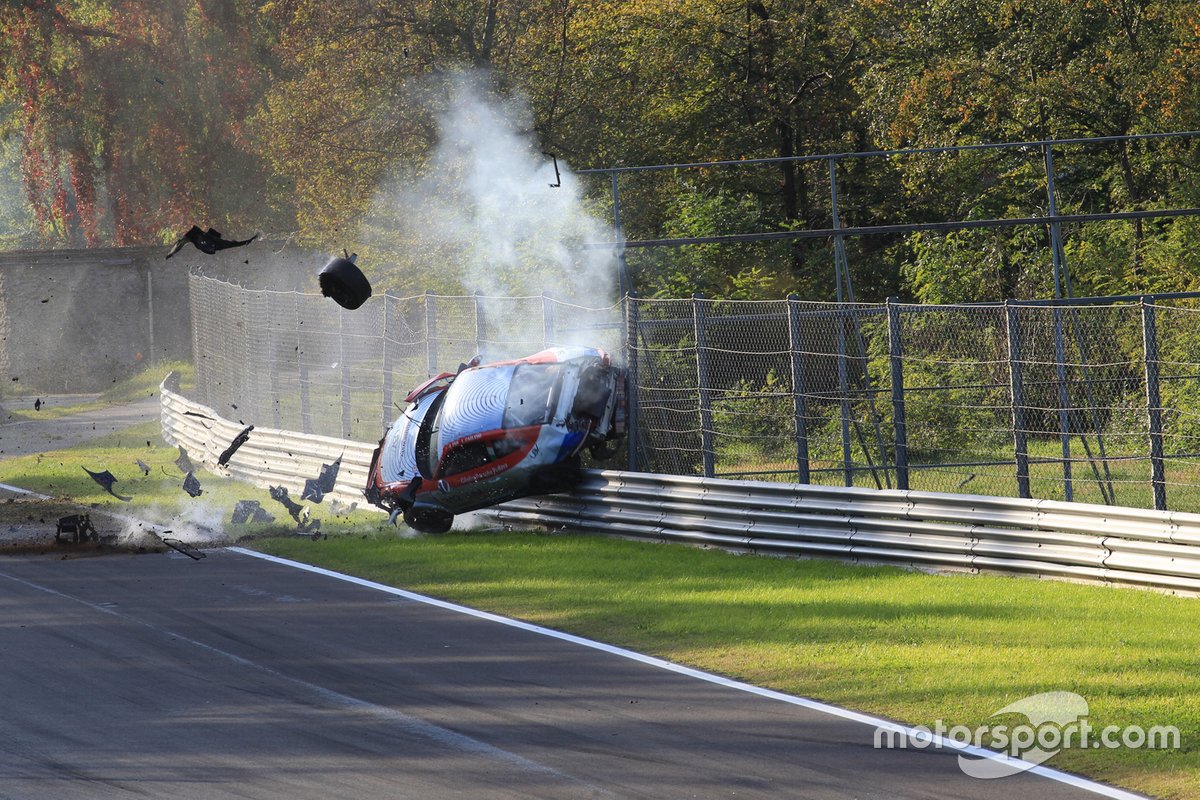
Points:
[(494, 432)]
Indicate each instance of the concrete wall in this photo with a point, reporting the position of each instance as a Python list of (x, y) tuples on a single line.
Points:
[(78, 320)]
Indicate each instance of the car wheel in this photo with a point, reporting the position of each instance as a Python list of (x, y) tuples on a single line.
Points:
[(345, 283), (428, 520)]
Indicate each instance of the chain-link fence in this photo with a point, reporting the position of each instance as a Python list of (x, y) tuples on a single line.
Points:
[(1078, 400)]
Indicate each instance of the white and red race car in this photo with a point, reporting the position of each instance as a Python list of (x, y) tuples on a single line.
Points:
[(494, 432)]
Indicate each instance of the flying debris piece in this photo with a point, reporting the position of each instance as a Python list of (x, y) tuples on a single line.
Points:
[(280, 493), (316, 488), (209, 241), (106, 479), (340, 509), (312, 526), (183, 462), (342, 280), (250, 511), (143, 466), (187, 549), (75, 528), (191, 485), (557, 175), (238, 441)]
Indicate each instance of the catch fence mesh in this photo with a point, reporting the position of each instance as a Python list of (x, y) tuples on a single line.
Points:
[(1080, 401)]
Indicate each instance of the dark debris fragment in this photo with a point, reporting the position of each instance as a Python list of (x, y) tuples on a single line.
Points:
[(106, 479), (191, 485), (209, 241)]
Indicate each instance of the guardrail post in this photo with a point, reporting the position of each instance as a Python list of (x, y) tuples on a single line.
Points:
[(388, 366), (1017, 394), (899, 427), (632, 332), (706, 422), (799, 398), (431, 350), (1153, 405)]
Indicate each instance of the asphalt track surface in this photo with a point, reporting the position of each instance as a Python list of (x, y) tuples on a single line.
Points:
[(22, 437), (233, 676)]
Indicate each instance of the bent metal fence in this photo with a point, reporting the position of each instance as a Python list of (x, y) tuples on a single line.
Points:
[(1093, 400)]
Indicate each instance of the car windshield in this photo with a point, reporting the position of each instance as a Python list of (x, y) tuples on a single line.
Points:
[(532, 395), (426, 456)]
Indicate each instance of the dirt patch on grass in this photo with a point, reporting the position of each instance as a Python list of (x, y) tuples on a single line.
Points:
[(31, 525)]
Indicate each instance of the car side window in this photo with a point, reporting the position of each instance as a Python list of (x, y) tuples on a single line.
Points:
[(465, 457), (532, 395)]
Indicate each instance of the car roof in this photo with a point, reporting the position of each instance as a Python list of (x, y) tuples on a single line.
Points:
[(474, 403)]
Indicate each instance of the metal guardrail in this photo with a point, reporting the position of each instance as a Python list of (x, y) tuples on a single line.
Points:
[(1094, 543), (1079, 541), (270, 457)]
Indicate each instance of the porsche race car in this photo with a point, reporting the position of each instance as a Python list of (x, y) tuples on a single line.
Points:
[(490, 433)]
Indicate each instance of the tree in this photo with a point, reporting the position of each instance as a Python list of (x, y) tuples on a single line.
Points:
[(131, 115)]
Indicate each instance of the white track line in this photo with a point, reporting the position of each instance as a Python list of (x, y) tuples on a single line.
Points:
[(803, 702)]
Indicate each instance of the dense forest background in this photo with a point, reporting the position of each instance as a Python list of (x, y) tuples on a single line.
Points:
[(123, 122)]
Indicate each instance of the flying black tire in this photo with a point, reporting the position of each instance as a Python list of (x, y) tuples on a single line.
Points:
[(345, 283)]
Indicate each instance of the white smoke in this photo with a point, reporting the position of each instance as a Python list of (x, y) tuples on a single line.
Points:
[(483, 210)]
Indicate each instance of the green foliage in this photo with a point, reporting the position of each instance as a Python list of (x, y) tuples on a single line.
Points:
[(307, 110), (759, 413)]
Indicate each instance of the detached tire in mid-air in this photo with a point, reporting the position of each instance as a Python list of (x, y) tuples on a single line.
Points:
[(428, 520), (342, 280)]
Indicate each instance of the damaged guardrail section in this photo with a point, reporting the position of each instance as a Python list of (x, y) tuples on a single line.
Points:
[(1108, 544), (270, 457)]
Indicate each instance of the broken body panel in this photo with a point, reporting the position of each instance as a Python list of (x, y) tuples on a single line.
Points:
[(495, 432)]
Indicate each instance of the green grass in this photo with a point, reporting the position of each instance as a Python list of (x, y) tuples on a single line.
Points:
[(905, 645), (159, 496)]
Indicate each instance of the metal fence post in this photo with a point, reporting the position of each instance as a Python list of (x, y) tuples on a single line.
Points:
[(1064, 402), (388, 367), (1153, 405), (799, 397), (480, 325), (623, 278), (305, 407), (344, 364), (431, 349), (844, 404), (1017, 395), (1058, 256), (548, 334), (632, 333), (900, 430), (273, 363), (706, 422)]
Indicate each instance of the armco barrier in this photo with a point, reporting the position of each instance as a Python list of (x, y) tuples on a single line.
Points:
[(270, 457), (1107, 544)]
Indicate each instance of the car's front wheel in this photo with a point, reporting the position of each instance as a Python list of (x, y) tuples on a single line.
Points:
[(428, 520)]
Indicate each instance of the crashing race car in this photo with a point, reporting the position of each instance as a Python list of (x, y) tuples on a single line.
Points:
[(490, 433)]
